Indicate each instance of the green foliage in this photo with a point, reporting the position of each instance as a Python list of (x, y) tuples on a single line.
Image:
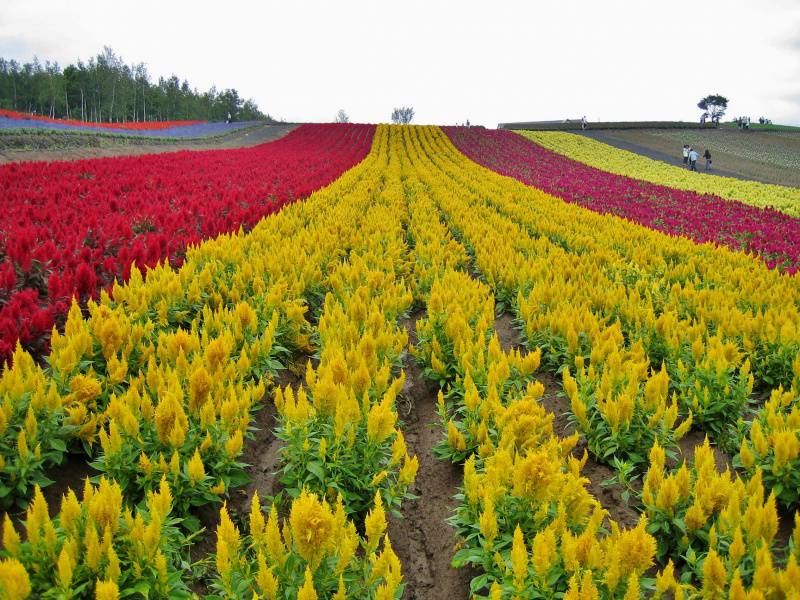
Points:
[(105, 89)]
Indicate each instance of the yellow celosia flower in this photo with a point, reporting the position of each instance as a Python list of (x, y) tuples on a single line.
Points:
[(380, 422), (312, 526), (715, 576), (375, 522), (519, 559), (14, 581), (195, 469), (488, 522), (307, 591), (106, 590)]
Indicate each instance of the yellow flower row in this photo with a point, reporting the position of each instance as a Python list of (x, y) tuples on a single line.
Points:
[(626, 300), (518, 476), (625, 282), (622, 162), (93, 545), (337, 562), (341, 429)]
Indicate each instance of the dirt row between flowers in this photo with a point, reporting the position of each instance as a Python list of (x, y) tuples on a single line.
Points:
[(59, 146)]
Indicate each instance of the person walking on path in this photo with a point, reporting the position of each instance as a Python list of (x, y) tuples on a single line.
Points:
[(583, 122), (693, 156), (686, 155), (707, 156), (229, 118)]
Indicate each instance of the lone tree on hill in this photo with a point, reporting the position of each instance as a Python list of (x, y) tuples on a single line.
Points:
[(715, 105), (402, 115), (341, 116)]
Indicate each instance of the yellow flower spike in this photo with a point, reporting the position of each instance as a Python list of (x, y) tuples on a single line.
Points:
[(265, 579), (22, 446), (112, 567), (665, 579), (715, 575), (161, 570), (398, 448), (200, 384), (375, 523), (544, 553), (106, 590), (519, 559), (632, 592), (30, 424), (195, 470), (341, 591), (488, 522), (347, 547), (257, 522), (455, 438), (93, 551), (307, 591), (64, 570), (272, 539), (737, 548), (408, 472), (234, 444), (312, 527), (11, 539), (14, 581)]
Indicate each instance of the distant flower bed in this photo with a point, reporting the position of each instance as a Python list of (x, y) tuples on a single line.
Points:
[(138, 125), (702, 217), (10, 119)]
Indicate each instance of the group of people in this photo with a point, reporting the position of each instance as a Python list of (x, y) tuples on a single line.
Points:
[(690, 156)]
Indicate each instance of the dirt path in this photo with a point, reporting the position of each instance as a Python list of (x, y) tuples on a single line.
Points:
[(674, 160), (101, 146), (422, 539)]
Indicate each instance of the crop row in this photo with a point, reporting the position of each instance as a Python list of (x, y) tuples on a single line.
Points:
[(72, 229), (622, 162), (770, 234)]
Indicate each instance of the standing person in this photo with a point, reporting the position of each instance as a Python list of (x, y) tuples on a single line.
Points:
[(686, 155), (707, 156), (229, 118), (583, 122), (693, 156)]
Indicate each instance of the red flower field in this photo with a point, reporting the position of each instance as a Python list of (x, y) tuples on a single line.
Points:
[(772, 235), (72, 228)]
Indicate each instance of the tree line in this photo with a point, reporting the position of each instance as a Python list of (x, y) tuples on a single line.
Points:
[(106, 89)]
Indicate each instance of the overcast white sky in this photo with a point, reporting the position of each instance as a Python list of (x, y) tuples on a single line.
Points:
[(451, 61)]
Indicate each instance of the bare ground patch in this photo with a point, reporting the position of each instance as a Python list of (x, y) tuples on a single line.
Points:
[(423, 539)]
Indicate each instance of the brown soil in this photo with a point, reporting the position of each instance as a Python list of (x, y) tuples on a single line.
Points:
[(71, 474), (508, 335), (422, 539), (696, 437), (102, 146)]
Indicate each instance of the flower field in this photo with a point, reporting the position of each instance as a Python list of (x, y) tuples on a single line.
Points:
[(72, 229), (134, 126), (672, 351), (622, 162), (13, 120), (771, 234)]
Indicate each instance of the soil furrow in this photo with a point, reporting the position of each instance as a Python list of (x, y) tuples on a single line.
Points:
[(422, 539)]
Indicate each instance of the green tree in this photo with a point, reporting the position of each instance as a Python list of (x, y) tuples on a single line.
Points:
[(715, 105)]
